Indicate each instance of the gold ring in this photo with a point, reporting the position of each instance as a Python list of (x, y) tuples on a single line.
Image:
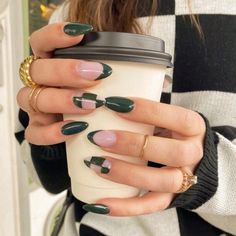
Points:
[(188, 180), (25, 71), (33, 97), (145, 142)]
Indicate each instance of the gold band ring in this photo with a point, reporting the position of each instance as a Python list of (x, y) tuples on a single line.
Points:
[(33, 98), (188, 180), (145, 142), (25, 71)]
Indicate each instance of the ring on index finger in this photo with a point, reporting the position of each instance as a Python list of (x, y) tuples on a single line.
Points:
[(25, 71)]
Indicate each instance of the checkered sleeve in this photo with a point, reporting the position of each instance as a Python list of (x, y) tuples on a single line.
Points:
[(204, 81)]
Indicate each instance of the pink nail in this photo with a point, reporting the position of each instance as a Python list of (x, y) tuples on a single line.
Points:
[(104, 138), (89, 70)]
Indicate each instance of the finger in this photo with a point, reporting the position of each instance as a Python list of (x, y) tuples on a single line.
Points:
[(175, 118), (58, 35), (165, 151), (149, 203), (55, 100), (41, 132), (68, 72), (168, 180)]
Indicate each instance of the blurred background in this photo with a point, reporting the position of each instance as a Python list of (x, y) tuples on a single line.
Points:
[(25, 208)]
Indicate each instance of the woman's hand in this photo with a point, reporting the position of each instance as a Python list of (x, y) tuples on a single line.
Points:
[(180, 144), (62, 79)]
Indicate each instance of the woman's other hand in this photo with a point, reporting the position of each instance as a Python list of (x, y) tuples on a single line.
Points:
[(178, 144)]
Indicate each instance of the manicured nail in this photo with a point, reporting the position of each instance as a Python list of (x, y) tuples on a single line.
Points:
[(97, 208), (74, 127), (74, 29), (98, 164), (103, 138), (90, 70), (88, 101), (119, 104)]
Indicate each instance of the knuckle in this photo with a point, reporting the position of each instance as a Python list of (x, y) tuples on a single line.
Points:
[(183, 152), (197, 152), (175, 181), (188, 121), (19, 96), (193, 122), (189, 153), (27, 134)]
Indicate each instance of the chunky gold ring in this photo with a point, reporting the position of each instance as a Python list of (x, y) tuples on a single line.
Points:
[(188, 180), (25, 71), (145, 142), (33, 98)]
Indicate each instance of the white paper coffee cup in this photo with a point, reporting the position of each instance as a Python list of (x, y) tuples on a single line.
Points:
[(138, 65)]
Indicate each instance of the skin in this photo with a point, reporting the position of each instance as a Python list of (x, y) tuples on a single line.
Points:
[(179, 144)]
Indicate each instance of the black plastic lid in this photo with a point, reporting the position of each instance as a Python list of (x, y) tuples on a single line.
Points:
[(119, 47)]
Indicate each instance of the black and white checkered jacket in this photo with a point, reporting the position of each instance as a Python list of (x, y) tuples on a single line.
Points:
[(203, 79)]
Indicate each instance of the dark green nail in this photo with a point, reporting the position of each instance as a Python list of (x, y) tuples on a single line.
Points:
[(90, 136), (107, 71), (90, 101), (97, 208), (119, 104), (74, 127), (101, 162), (74, 29)]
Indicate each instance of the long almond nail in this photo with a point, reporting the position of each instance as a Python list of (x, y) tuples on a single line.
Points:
[(119, 104), (90, 70), (75, 29), (74, 127), (98, 164), (97, 208), (88, 101), (102, 138)]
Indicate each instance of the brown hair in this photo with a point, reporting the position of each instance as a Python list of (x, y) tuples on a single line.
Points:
[(120, 15)]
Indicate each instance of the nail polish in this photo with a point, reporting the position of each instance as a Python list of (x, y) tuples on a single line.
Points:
[(90, 70), (88, 101), (74, 127), (97, 208), (98, 164), (75, 29), (119, 104), (102, 138)]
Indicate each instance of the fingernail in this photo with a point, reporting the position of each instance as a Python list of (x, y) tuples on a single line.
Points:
[(74, 127), (74, 29), (103, 138), (93, 70), (88, 101), (97, 208), (98, 164), (119, 104)]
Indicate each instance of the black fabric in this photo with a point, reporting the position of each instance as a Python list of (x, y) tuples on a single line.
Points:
[(51, 166), (189, 220), (20, 136), (79, 211), (228, 132), (202, 64), (165, 98), (88, 231), (166, 7), (23, 118), (207, 173)]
